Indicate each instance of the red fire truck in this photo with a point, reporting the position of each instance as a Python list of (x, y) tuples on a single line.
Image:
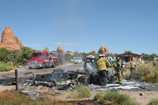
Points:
[(42, 60)]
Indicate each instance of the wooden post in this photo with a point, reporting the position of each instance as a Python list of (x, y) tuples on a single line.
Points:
[(16, 79)]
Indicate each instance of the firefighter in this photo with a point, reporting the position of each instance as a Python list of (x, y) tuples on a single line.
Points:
[(132, 68), (102, 65), (119, 69)]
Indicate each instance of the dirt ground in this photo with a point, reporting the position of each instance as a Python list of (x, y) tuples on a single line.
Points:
[(142, 97)]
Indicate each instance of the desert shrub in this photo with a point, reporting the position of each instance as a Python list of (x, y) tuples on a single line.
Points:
[(156, 67), (144, 72), (80, 91), (16, 65), (4, 68), (147, 68), (153, 102), (10, 68), (115, 98), (98, 96), (126, 76), (127, 66), (140, 76)]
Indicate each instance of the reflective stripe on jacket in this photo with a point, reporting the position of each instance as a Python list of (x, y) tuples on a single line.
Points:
[(119, 64), (102, 64)]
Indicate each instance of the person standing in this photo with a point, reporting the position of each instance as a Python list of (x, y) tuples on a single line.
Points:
[(102, 65), (132, 68), (119, 68)]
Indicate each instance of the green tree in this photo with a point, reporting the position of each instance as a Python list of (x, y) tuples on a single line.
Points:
[(27, 52), (153, 56), (60, 57), (149, 57), (17, 56), (69, 51), (76, 54), (12, 55), (4, 55), (128, 51), (68, 57)]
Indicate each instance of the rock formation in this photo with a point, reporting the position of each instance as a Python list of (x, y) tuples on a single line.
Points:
[(9, 40), (93, 52), (46, 49), (60, 48), (20, 43), (103, 50), (72, 54)]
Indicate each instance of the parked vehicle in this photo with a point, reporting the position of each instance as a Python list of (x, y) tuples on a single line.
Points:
[(78, 60), (42, 60)]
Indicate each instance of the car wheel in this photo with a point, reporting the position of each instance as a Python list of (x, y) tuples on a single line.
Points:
[(82, 80)]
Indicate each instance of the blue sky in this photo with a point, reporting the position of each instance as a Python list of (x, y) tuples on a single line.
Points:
[(83, 25)]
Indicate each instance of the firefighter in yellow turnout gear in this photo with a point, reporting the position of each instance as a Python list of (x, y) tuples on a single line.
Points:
[(119, 70), (102, 65)]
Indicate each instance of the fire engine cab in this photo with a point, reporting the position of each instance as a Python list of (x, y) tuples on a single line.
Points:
[(42, 60)]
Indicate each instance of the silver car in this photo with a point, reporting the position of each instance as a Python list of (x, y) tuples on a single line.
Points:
[(78, 60)]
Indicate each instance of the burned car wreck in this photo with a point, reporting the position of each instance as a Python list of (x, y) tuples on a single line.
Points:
[(62, 80), (59, 78)]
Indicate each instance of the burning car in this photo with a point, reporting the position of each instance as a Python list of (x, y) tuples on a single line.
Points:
[(90, 66)]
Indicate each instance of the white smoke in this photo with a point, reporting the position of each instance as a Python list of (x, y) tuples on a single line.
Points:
[(90, 69)]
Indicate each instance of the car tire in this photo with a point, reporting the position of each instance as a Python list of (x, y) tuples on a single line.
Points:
[(82, 80)]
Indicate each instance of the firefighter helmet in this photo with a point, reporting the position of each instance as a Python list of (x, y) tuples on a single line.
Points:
[(101, 55), (118, 57)]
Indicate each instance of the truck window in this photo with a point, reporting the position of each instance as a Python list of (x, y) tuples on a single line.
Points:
[(37, 54)]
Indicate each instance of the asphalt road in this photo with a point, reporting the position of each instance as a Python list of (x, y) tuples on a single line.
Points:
[(9, 76)]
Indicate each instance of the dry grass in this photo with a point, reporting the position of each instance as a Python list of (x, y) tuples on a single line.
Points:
[(143, 72), (127, 65), (80, 91), (114, 98), (15, 98), (153, 102)]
